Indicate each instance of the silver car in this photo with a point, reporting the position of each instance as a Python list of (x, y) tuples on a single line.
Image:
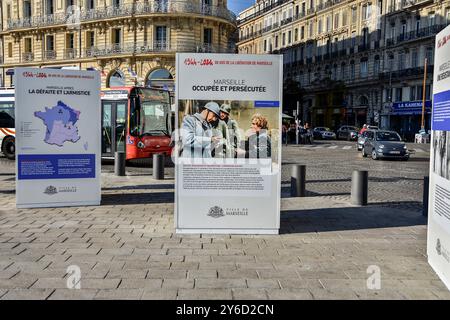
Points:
[(382, 144)]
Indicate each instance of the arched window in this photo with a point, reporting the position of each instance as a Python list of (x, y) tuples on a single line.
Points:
[(160, 78), (116, 79), (363, 101)]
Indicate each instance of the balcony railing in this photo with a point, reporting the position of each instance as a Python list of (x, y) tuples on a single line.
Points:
[(416, 34), (118, 49), (152, 7), (27, 56), (70, 53), (49, 55)]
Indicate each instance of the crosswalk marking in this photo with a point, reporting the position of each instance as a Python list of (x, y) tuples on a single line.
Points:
[(347, 147), (420, 151), (333, 147)]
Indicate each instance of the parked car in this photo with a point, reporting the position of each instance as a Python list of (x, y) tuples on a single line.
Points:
[(347, 133), (323, 133), (384, 144)]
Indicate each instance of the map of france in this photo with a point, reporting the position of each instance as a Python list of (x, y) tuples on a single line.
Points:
[(60, 121)]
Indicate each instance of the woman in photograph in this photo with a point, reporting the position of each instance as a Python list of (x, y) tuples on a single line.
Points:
[(258, 144)]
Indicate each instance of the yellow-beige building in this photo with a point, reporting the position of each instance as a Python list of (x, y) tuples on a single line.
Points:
[(356, 61), (131, 42)]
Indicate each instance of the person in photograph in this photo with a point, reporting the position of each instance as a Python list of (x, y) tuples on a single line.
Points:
[(233, 136), (198, 139), (258, 144)]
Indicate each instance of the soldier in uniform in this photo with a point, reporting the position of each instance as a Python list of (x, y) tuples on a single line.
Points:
[(197, 132), (233, 134)]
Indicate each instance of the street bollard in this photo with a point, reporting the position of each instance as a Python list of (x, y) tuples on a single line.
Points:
[(158, 166), (426, 186), (359, 188), (298, 181), (119, 163)]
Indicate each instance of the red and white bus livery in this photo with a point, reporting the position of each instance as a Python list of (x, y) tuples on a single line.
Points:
[(7, 124), (137, 121)]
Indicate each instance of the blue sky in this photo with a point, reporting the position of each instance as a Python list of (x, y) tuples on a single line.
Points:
[(238, 5)]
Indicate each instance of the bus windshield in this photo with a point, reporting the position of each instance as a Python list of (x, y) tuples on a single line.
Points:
[(7, 115), (155, 118)]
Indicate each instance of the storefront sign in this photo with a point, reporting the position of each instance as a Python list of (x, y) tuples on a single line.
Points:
[(228, 172), (438, 247), (58, 137), (410, 107)]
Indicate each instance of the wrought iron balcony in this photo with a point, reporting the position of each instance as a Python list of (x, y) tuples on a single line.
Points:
[(27, 56), (70, 53), (49, 55), (123, 10)]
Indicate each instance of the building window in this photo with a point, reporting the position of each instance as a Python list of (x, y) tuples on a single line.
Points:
[(289, 37), (302, 32), (353, 43), (431, 19), (90, 39), (447, 15), (159, 78), (430, 56), (90, 4), (265, 45), (376, 65), (116, 36), (276, 42), (283, 41), (49, 6), (328, 23), (428, 92), (311, 30), (50, 43), (352, 70), (364, 68), (161, 34), (319, 26), (116, 79), (414, 59), (343, 71), (8, 11), (296, 34), (336, 20), (401, 61), (344, 18), (27, 9), (28, 47), (412, 93), (354, 15), (399, 94), (208, 36)]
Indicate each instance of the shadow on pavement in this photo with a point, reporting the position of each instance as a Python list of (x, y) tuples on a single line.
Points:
[(143, 187), (137, 198), (349, 218)]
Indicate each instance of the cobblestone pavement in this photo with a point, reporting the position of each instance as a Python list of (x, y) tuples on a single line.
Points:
[(127, 249)]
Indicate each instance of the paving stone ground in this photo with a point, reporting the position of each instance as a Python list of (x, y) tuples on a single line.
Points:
[(127, 249)]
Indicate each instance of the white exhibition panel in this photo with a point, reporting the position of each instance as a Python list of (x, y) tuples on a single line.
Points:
[(438, 244), (246, 197), (58, 137)]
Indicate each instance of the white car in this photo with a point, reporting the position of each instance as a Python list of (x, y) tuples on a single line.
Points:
[(324, 133)]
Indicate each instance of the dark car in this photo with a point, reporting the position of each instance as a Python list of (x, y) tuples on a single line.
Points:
[(323, 133), (384, 144), (347, 133)]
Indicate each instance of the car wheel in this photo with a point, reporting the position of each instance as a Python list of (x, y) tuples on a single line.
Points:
[(364, 154), (374, 155), (9, 148)]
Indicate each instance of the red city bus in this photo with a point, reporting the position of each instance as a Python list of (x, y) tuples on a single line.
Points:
[(137, 121)]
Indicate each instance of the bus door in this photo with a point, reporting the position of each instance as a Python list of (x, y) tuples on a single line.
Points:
[(114, 127)]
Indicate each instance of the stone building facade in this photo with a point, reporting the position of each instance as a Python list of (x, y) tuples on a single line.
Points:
[(356, 61), (131, 42)]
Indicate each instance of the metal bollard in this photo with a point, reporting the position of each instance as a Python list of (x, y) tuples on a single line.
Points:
[(359, 188), (426, 190), (158, 166), (119, 163), (298, 181)]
